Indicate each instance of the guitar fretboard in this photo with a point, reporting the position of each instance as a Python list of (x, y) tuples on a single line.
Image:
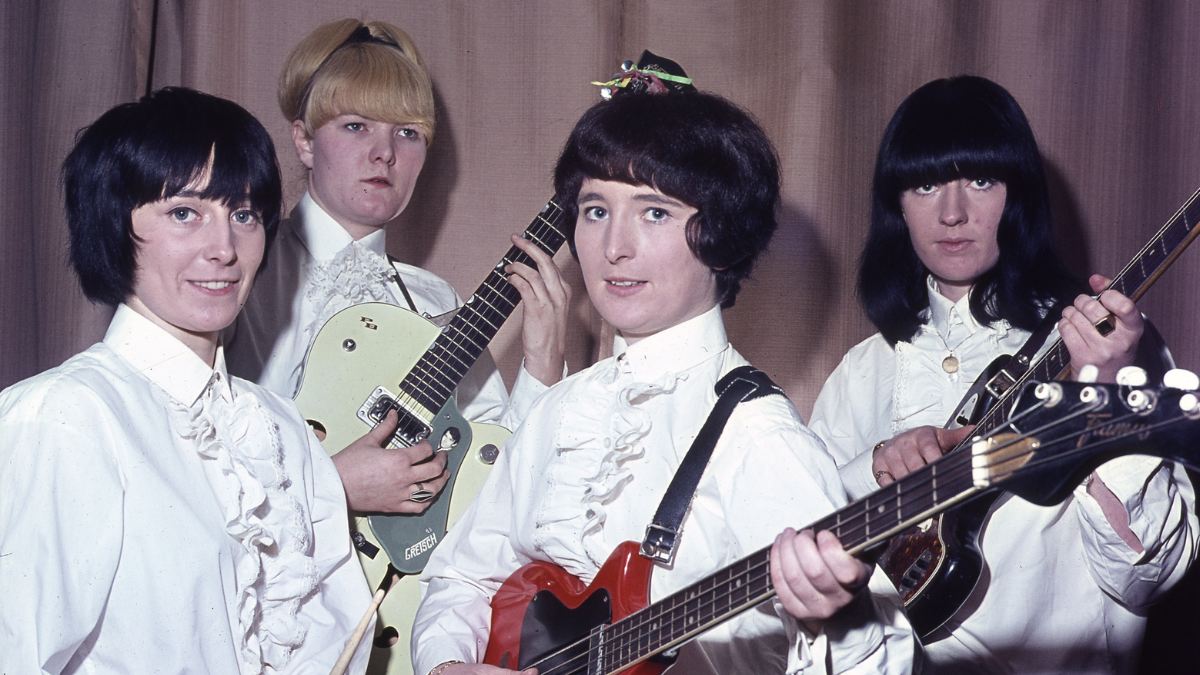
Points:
[(433, 379), (747, 582)]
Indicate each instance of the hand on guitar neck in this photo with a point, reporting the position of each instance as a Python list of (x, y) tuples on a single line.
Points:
[(547, 299), (1110, 351), (384, 480), (913, 449), (814, 577)]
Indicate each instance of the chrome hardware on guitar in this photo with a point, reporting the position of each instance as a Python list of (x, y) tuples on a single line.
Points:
[(1056, 433)]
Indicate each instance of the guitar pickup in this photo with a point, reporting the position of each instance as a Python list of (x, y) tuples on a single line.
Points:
[(411, 429)]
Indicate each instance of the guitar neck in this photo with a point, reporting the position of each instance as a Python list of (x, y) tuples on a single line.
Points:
[(1133, 281), (435, 376), (1068, 429), (747, 582)]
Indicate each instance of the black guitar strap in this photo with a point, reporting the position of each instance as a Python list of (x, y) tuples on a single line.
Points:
[(400, 282), (740, 384), (1012, 371)]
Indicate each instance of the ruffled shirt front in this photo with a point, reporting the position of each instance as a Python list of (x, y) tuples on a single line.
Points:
[(316, 269), (586, 473), (1061, 593), (156, 515)]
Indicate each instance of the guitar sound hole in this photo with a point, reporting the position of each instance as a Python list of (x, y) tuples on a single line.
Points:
[(387, 638), (318, 429)]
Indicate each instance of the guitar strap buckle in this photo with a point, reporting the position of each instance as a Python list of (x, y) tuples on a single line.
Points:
[(659, 544), (744, 383)]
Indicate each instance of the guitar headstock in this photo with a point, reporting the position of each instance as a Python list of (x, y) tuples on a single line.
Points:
[(1058, 432), (651, 74)]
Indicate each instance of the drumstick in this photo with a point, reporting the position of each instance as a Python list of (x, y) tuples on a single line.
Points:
[(343, 661)]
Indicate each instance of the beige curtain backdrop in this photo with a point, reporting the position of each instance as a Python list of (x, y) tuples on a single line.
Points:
[(1107, 86)]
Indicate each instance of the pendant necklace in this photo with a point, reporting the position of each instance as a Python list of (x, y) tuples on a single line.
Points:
[(950, 363)]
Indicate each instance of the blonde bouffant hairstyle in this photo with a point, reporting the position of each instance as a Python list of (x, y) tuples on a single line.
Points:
[(329, 74)]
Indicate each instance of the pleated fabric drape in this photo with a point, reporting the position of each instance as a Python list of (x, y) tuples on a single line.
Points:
[(1107, 88)]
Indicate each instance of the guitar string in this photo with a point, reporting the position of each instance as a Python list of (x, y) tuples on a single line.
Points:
[(639, 620), (758, 572), (1034, 465), (424, 374)]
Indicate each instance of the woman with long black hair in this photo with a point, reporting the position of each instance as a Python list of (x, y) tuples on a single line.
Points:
[(958, 269)]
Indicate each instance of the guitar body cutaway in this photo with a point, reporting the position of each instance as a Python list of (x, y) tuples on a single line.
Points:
[(541, 609), (358, 350)]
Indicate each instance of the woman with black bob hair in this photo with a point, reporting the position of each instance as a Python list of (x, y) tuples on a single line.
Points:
[(136, 154), (155, 513), (673, 198), (967, 127), (958, 270), (696, 147)]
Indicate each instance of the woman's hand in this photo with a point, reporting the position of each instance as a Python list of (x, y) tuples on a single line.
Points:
[(547, 299), (912, 450), (480, 669), (814, 577), (382, 479), (1109, 353)]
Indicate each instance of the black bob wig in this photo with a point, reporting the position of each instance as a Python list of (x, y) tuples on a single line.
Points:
[(138, 153), (695, 147), (963, 127)]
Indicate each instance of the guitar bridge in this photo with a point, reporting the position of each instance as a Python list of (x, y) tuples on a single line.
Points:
[(411, 429)]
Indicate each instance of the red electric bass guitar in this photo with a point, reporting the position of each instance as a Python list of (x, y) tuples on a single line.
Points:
[(1055, 434)]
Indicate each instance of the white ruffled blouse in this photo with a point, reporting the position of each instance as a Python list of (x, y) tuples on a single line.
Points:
[(1062, 592), (157, 516), (588, 469)]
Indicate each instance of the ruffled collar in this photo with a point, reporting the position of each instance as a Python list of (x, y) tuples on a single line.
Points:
[(238, 443), (324, 237), (602, 429)]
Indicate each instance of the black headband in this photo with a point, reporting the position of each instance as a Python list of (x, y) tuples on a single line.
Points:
[(361, 35)]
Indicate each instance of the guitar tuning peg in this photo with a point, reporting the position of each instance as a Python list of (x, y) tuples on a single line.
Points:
[(1131, 376), (1049, 392), (1088, 374), (1190, 406), (1184, 380)]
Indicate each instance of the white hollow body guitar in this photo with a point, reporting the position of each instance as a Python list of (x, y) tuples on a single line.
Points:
[(373, 358)]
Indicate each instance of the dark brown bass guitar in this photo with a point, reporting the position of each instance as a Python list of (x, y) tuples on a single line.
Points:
[(937, 564)]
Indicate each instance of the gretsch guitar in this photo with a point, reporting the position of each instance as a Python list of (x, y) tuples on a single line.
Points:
[(936, 564), (1058, 432), (373, 358)]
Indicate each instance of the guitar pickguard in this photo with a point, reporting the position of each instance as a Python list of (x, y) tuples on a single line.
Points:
[(358, 358)]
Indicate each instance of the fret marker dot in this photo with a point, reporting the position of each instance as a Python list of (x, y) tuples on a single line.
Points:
[(879, 509)]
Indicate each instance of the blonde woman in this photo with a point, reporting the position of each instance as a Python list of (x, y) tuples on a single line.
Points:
[(361, 106)]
